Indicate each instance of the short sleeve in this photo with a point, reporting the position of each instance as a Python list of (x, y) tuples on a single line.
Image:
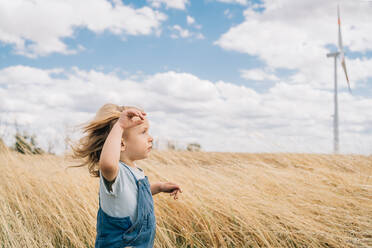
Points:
[(111, 187)]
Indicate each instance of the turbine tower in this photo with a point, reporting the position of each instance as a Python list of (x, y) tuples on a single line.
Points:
[(340, 53)]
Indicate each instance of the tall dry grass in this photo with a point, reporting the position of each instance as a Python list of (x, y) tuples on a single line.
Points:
[(228, 200)]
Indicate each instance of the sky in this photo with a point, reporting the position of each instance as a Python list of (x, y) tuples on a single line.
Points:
[(231, 75)]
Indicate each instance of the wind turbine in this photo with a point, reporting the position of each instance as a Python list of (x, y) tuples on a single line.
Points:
[(340, 53)]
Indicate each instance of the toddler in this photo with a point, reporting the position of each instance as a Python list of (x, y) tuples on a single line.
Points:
[(116, 138)]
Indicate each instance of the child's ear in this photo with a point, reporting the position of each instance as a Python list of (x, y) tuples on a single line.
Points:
[(123, 146)]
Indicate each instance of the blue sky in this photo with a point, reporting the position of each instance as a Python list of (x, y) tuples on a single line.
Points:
[(261, 62), (197, 56)]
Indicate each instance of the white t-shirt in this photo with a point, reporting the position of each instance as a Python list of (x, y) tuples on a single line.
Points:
[(119, 198)]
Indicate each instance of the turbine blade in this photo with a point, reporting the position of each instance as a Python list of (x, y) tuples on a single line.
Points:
[(341, 48), (344, 67)]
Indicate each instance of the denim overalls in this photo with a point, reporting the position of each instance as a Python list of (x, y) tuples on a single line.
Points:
[(119, 232)]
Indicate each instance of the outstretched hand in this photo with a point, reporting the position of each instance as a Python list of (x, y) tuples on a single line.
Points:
[(172, 188)]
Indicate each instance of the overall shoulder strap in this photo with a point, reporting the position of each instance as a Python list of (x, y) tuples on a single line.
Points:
[(135, 178)]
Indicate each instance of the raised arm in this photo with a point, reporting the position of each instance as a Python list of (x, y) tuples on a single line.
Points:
[(110, 154)]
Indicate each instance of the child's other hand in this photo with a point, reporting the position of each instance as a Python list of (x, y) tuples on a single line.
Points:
[(127, 120), (172, 188)]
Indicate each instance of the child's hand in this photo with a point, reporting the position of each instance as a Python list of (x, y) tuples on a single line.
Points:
[(126, 119), (172, 188)]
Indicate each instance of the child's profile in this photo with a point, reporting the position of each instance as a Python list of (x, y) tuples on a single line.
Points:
[(115, 139)]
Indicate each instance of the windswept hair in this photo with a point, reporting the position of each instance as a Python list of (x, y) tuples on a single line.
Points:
[(88, 149)]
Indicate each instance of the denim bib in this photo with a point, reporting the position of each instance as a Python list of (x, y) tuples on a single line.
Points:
[(119, 232)]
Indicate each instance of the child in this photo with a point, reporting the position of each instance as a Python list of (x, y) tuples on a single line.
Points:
[(117, 137)]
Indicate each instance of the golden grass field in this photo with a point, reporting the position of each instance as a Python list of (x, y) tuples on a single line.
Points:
[(228, 200)]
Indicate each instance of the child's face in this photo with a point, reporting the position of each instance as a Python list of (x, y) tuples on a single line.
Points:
[(138, 141)]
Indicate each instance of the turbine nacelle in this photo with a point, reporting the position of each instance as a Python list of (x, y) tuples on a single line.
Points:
[(333, 54)]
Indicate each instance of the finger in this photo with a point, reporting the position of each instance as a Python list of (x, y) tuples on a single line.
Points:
[(139, 114), (139, 122), (141, 118), (134, 113), (142, 114)]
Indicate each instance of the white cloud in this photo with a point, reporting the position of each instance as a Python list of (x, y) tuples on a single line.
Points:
[(221, 116), (174, 4), (258, 74), (184, 33), (242, 2), (190, 20), (293, 34), (180, 32), (36, 28)]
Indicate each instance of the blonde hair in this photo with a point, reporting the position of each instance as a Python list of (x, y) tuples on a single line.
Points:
[(89, 147)]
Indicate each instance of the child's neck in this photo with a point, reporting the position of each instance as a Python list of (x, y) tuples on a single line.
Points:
[(128, 162)]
